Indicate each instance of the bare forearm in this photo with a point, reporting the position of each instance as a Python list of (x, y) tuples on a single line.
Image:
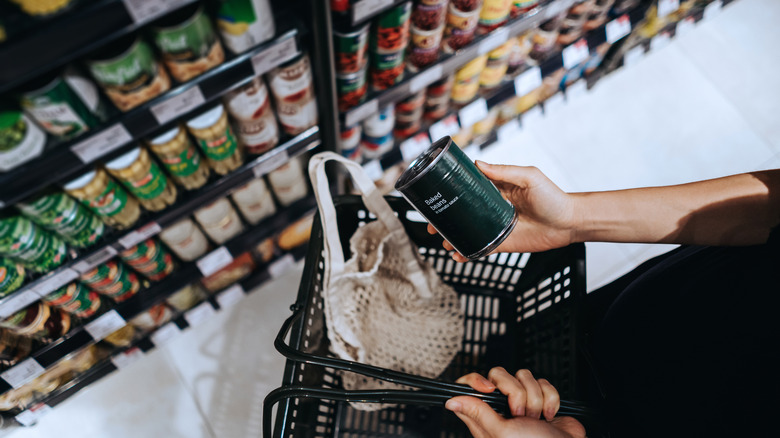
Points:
[(734, 210)]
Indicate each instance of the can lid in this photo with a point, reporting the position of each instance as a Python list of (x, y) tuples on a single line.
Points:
[(81, 181), (207, 119), (423, 163), (124, 161), (166, 136)]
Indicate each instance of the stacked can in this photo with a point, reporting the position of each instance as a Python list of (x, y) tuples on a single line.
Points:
[(389, 39), (494, 14), (254, 201), (467, 80), (180, 158), (38, 321), (216, 139), (428, 18), (543, 38), (408, 115), (597, 16), (520, 7), (378, 133), (496, 66), (250, 106), (106, 198), (36, 248), (76, 300), (293, 90), (289, 182), (245, 23), (462, 20), (437, 98), (113, 280), (518, 53), (572, 25), (143, 178), (62, 214), (351, 66), (349, 142), (11, 276), (150, 259)]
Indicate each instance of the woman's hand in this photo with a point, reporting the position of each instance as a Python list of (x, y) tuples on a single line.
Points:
[(546, 214), (529, 400)]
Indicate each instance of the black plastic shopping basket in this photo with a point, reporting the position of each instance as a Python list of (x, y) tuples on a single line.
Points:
[(521, 312)]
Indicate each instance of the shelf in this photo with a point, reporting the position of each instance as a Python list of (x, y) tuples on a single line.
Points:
[(73, 35), (361, 12), (448, 63), (74, 157), (186, 273)]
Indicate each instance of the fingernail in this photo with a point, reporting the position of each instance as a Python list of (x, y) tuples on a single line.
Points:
[(549, 414), (519, 412), (453, 405), (480, 163), (487, 383)]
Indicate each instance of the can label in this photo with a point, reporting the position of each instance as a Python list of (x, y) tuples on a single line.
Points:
[(494, 13), (150, 185), (11, 276), (22, 239), (150, 259), (351, 50), (113, 280), (219, 148), (58, 110), (190, 48), (110, 202), (20, 140), (352, 89), (297, 117), (387, 69), (392, 29), (251, 107), (76, 300), (185, 163), (67, 217), (245, 23)]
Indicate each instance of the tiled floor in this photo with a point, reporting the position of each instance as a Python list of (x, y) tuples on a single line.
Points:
[(705, 106)]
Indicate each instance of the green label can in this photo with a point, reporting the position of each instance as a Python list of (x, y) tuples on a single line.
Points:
[(76, 300), (245, 23), (391, 29), (63, 215), (464, 206), (221, 147), (150, 259), (350, 48), (111, 201), (11, 276), (21, 239), (20, 139), (113, 280)]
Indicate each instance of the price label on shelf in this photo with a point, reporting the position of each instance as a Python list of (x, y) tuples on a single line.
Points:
[(142, 11), (127, 357), (444, 127), (101, 143), (618, 28), (165, 333), (508, 130), (274, 56), (473, 112), (214, 261), (133, 238), (554, 103), (22, 373), (414, 146), (57, 280), (666, 7), (712, 9), (281, 266), (425, 78), (270, 162), (660, 41), (684, 26), (361, 112), (231, 296), (199, 313), (575, 54), (101, 256), (366, 8), (374, 170), (576, 90), (495, 39), (633, 56), (104, 325), (528, 81), (178, 105), (533, 115), (17, 302), (34, 413)]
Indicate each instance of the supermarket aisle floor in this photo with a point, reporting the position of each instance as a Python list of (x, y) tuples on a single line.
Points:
[(704, 106)]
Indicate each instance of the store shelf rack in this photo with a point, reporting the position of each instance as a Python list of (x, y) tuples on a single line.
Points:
[(121, 134), (96, 329), (362, 11)]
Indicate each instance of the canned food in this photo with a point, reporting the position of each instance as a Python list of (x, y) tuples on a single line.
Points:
[(254, 201), (494, 14), (38, 321), (411, 104), (11, 276), (76, 300), (20, 139), (544, 38), (467, 80), (219, 220), (289, 182), (380, 123), (349, 142), (156, 316), (496, 66), (43, 8), (436, 107), (464, 206), (461, 27), (391, 31), (185, 239), (425, 46), (518, 54), (351, 89), (60, 213), (293, 90), (256, 124), (442, 87), (113, 280), (150, 259), (216, 139), (30, 244), (106, 198), (350, 48), (179, 156), (467, 5), (186, 297), (429, 15), (245, 23), (144, 179), (407, 124), (387, 69), (520, 7), (339, 5), (128, 72), (188, 42)]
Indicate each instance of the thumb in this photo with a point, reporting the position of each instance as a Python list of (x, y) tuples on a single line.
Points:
[(477, 415), (517, 175)]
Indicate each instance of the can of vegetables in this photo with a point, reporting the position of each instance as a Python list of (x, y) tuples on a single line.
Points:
[(387, 69), (494, 14), (391, 32), (461, 27), (351, 88), (429, 15), (350, 50), (425, 46)]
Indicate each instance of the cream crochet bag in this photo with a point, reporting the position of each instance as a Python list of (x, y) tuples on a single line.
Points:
[(385, 306)]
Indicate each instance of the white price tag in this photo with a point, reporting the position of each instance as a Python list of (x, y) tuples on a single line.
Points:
[(282, 265), (374, 170), (712, 9), (666, 7), (101, 143), (17, 302), (528, 81), (178, 105), (199, 313), (34, 413), (575, 54), (274, 56), (684, 26), (22, 373), (553, 103), (104, 325), (660, 41), (101, 256), (57, 280), (618, 28), (165, 333), (214, 261), (495, 39), (135, 237), (473, 152), (508, 131), (425, 78), (533, 115), (127, 357), (473, 112), (270, 162), (414, 146), (142, 11), (633, 55), (231, 296), (362, 112), (576, 90), (444, 127), (365, 8)]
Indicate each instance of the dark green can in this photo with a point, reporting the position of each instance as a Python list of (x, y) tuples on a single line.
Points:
[(464, 206)]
